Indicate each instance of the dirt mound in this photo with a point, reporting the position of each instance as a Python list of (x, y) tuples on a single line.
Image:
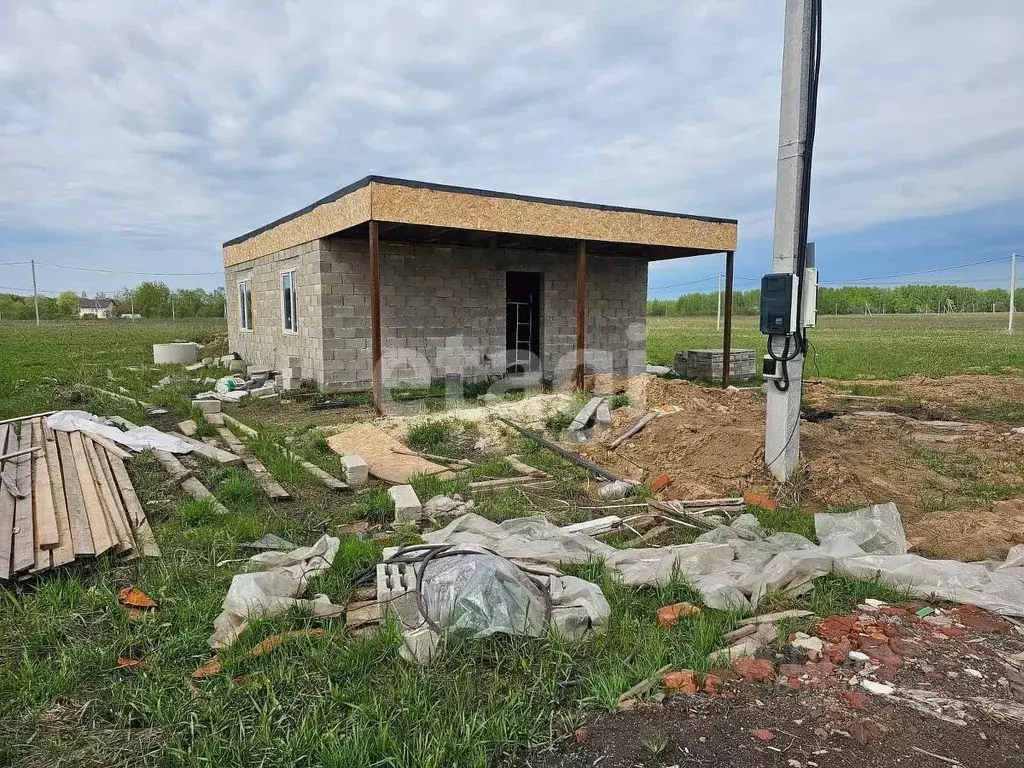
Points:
[(972, 534)]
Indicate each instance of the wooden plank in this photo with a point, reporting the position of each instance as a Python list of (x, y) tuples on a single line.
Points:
[(211, 452), (20, 452), (6, 517), (143, 531), (239, 425), (501, 482), (23, 556), (232, 440), (118, 527), (78, 518), (121, 521), (64, 553), (188, 427), (101, 538), (109, 445), (191, 485), (43, 561), (644, 420), (26, 418), (46, 534)]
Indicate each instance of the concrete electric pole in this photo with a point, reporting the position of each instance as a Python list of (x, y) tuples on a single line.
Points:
[(35, 293), (796, 125), (1013, 289)]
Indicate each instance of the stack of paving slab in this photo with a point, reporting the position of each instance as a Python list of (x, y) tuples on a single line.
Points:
[(706, 364), (291, 375)]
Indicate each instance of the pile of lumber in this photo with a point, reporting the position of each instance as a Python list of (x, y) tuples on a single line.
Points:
[(64, 496)]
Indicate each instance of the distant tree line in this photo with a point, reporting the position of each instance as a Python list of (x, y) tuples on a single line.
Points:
[(151, 300), (854, 300)]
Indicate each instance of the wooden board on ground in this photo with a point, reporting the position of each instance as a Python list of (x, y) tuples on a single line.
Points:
[(211, 452), (272, 488), (109, 445), (6, 517), (101, 538), (114, 524), (23, 555), (64, 552), (376, 446), (44, 511), (78, 518), (143, 530), (118, 515)]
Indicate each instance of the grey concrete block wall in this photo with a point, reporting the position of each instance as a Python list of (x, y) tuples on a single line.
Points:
[(442, 310), (268, 344)]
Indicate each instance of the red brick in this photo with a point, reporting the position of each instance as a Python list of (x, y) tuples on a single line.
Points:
[(884, 655), (754, 670), (904, 647), (981, 621), (763, 734), (711, 684), (661, 482), (834, 628), (890, 610), (679, 682), (838, 651), (669, 615), (951, 631)]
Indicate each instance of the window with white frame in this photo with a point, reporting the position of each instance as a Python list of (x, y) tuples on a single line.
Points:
[(289, 305), (245, 304)]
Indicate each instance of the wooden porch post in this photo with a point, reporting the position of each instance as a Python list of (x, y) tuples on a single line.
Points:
[(375, 372), (727, 325), (581, 313)]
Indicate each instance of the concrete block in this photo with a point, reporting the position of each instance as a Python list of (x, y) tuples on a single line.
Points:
[(209, 360), (226, 360), (291, 373), (207, 406), (408, 509), (252, 370), (292, 361), (355, 470), (236, 366)]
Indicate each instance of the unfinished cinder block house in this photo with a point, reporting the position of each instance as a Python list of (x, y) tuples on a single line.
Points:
[(432, 280)]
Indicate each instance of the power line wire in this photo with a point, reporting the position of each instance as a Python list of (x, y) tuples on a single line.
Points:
[(919, 272), (124, 271)]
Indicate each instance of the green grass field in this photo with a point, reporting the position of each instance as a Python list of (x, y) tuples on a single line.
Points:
[(337, 700), (858, 346)]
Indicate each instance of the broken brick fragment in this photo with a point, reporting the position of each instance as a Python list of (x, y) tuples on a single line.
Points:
[(711, 683), (754, 670), (883, 654), (660, 483), (755, 499), (979, 620), (838, 651), (763, 734), (680, 682), (853, 699), (669, 615), (951, 631), (834, 628)]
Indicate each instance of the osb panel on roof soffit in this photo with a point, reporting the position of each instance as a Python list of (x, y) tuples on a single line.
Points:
[(424, 204)]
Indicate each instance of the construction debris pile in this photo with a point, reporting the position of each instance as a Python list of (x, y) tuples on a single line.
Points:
[(65, 495), (735, 566)]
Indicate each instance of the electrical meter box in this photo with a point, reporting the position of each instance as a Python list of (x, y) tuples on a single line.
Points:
[(779, 304)]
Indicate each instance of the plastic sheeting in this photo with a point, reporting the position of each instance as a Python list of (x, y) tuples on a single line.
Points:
[(736, 566), (274, 586), (477, 593), (137, 439)]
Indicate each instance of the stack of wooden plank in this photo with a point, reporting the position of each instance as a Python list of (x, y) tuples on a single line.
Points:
[(64, 496)]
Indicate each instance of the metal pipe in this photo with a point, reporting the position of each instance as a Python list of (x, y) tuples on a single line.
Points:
[(375, 372), (581, 313), (579, 461), (727, 332)]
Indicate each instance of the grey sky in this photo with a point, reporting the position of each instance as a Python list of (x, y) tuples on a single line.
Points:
[(142, 135)]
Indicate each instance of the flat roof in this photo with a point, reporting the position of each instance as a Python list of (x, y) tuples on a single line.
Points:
[(405, 202)]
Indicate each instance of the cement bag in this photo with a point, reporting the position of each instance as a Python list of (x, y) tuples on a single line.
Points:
[(877, 529)]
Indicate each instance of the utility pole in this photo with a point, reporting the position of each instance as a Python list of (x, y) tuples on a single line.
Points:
[(172, 308), (718, 323), (1013, 289), (35, 293), (782, 421)]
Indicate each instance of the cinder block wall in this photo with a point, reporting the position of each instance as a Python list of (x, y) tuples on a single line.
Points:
[(268, 344), (447, 305)]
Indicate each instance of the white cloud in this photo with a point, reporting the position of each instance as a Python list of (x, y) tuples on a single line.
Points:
[(171, 127)]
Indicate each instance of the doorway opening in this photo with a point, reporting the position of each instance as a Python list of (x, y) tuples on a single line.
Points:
[(522, 322)]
